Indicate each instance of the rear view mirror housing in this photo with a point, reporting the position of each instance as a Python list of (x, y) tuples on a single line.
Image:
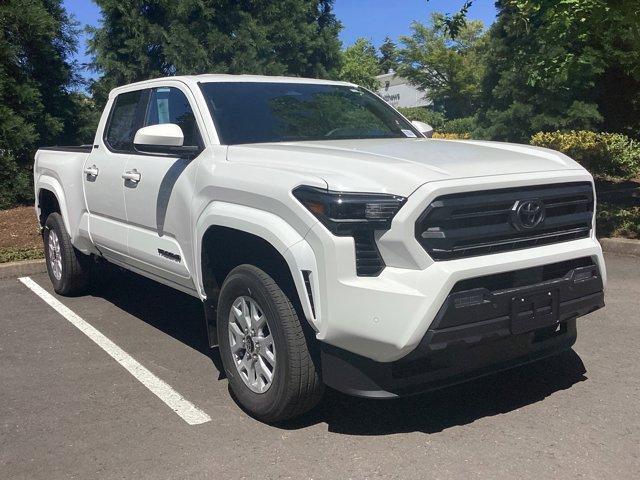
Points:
[(424, 128), (164, 138)]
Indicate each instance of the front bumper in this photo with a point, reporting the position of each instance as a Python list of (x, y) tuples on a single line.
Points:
[(384, 318), (476, 332), (387, 317)]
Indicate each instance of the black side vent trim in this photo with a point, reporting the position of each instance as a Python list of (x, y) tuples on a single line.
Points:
[(306, 274), (369, 262)]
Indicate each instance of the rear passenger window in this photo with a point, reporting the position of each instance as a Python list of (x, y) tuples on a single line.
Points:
[(170, 105), (122, 123)]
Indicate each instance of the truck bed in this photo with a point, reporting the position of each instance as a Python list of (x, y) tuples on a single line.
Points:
[(60, 170)]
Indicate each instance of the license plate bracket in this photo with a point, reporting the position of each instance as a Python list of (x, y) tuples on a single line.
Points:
[(534, 310)]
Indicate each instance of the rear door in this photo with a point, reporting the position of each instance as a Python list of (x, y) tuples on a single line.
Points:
[(103, 169), (159, 202)]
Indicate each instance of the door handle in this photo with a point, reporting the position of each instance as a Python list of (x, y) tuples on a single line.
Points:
[(92, 171), (132, 176)]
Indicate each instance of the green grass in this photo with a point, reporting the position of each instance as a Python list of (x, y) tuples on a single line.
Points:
[(14, 254)]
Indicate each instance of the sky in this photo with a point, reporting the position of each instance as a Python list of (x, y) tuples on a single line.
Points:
[(376, 19), (371, 19)]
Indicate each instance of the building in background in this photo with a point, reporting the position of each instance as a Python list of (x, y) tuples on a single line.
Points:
[(398, 92)]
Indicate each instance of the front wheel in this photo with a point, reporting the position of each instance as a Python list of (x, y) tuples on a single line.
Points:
[(263, 348)]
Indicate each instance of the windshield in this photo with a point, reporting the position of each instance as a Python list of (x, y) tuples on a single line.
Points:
[(252, 112)]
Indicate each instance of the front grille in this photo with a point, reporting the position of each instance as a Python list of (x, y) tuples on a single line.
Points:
[(480, 223)]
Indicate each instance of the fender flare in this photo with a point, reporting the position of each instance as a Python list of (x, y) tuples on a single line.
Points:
[(277, 232), (46, 182)]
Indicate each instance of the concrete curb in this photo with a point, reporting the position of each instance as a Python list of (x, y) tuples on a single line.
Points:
[(19, 269), (623, 246)]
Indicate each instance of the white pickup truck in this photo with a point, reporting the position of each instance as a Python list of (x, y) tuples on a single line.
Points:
[(330, 241)]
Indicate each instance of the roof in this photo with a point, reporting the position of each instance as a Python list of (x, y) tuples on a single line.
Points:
[(223, 77)]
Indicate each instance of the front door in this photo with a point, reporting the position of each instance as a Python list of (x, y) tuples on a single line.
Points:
[(158, 197), (102, 175)]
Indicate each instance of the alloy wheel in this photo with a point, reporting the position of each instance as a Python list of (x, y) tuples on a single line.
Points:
[(55, 255), (252, 346)]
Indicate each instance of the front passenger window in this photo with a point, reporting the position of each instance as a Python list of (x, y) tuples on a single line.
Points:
[(122, 123), (170, 105)]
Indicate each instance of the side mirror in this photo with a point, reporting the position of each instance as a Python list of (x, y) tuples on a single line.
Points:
[(164, 138), (423, 128)]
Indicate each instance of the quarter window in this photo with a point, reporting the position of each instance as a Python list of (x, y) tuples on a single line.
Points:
[(170, 105)]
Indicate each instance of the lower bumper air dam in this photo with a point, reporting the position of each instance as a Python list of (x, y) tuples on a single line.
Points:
[(478, 331)]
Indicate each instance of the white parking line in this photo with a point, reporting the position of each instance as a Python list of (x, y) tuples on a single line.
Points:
[(185, 409)]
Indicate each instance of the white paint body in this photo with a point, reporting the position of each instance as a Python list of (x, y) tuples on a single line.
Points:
[(161, 134), (248, 187)]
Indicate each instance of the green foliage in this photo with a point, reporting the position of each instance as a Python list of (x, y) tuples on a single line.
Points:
[(461, 126), (37, 38), (360, 64), (449, 69), (422, 114), (615, 221), (606, 154), (388, 59), (452, 24), (15, 254), (451, 136), (85, 118), (454, 128), (559, 65), (141, 39)]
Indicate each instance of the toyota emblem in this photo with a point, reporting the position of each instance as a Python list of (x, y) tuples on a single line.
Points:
[(528, 214)]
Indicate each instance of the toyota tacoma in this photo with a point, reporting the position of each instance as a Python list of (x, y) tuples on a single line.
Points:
[(330, 240)]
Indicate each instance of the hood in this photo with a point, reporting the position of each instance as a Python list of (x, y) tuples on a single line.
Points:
[(399, 165)]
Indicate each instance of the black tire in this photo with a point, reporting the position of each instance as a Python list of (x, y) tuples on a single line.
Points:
[(74, 277), (296, 386)]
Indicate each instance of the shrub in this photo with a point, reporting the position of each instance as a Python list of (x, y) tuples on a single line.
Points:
[(461, 126), (452, 136), (421, 114), (457, 128), (617, 221), (603, 154)]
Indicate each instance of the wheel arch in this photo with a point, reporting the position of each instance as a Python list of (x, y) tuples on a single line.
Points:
[(228, 233), (50, 198)]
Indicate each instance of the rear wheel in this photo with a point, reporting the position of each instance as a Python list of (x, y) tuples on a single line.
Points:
[(67, 267), (267, 358)]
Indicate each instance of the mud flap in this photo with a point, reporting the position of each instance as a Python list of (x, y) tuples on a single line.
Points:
[(210, 321)]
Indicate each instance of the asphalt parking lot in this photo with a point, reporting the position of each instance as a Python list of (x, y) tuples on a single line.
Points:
[(69, 410)]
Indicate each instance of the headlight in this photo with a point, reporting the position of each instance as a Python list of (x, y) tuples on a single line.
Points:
[(344, 212), (357, 215)]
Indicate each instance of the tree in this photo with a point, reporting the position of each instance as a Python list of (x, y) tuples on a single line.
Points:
[(452, 24), (388, 56), (360, 64), (141, 39), (449, 69), (562, 64), (37, 39)]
